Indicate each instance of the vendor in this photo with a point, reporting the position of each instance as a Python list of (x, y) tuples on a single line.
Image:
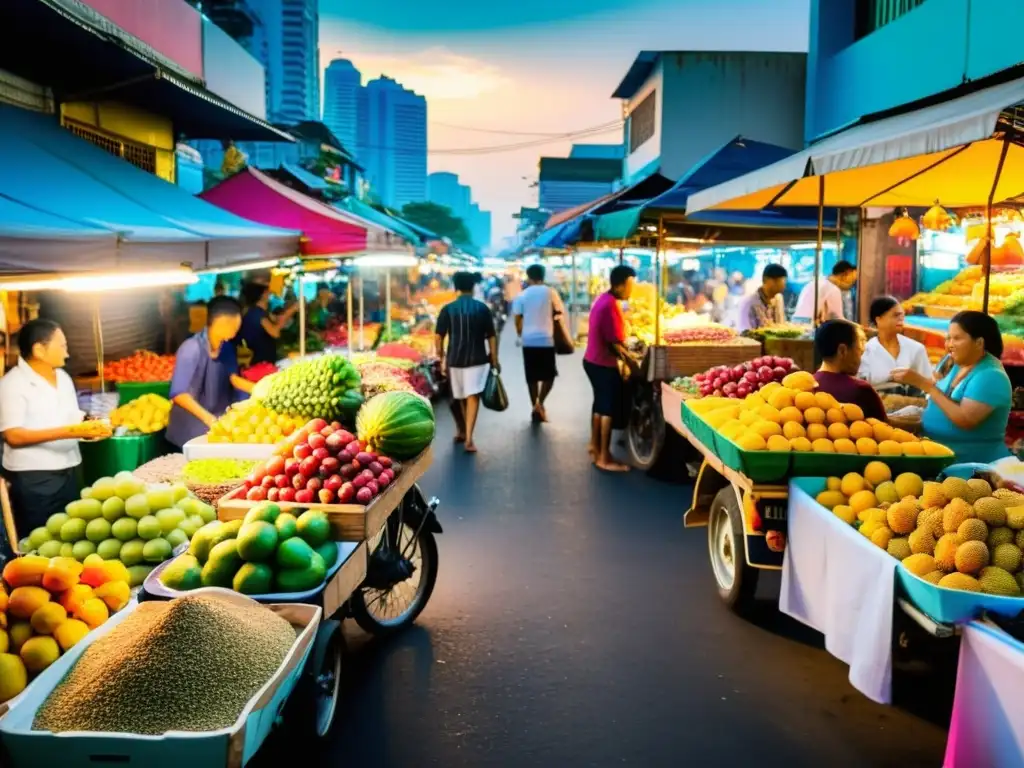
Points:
[(840, 345), (260, 331), (831, 300), (764, 306), (325, 306), (38, 405), (206, 380), (968, 410), (891, 349)]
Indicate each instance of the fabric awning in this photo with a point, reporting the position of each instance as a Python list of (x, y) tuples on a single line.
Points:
[(368, 212), (70, 206), (951, 152)]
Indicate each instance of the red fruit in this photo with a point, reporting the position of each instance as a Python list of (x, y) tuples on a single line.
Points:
[(364, 496), (346, 493), (282, 481), (345, 457), (388, 473), (275, 465), (329, 466), (335, 444), (334, 483), (730, 388), (354, 447), (257, 493), (298, 482), (346, 436), (287, 494), (384, 480), (302, 451), (274, 494), (335, 425), (315, 484), (751, 377), (742, 391), (291, 466), (367, 474), (349, 471), (385, 461), (376, 468), (321, 453), (317, 441), (267, 481), (305, 496), (315, 425), (779, 372), (364, 458), (247, 485), (308, 467), (374, 487), (325, 496), (738, 371), (359, 481)]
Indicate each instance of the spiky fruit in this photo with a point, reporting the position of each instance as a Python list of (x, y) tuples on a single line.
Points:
[(1007, 556), (1015, 517), (902, 517), (954, 514), (1001, 535), (971, 556), (971, 529), (960, 581), (932, 496), (977, 489), (955, 488), (1009, 497), (1019, 540), (921, 541), (931, 519), (934, 577), (945, 552), (919, 564), (899, 548), (881, 537), (990, 511), (996, 581)]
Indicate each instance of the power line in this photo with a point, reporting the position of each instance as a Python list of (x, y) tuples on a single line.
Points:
[(495, 148), (517, 133)]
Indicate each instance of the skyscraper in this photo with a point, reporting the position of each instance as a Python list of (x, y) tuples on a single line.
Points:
[(293, 55), (444, 188), (479, 225), (342, 84), (392, 133)]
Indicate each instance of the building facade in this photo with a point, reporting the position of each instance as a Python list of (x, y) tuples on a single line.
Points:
[(444, 188), (292, 30), (681, 106), (479, 223), (566, 182), (342, 83), (392, 133), (865, 56)]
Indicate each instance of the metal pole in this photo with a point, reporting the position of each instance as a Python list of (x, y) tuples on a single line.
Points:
[(658, 283), (302, 319), (348, 312), (362, 342), (817, 251), (98, 341), (621, 254), (387, 302), (988, 215)]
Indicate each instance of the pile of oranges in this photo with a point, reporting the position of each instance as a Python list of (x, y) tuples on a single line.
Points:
[(251, 422)]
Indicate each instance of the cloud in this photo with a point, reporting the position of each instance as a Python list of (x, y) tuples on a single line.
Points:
[(436, 73)]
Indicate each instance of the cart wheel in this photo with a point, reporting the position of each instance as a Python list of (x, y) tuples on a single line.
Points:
[(383, 610), (737, 581), (646, 428), (313, 705)]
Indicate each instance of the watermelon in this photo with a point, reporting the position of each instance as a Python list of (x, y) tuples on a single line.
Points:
[(396, 424)]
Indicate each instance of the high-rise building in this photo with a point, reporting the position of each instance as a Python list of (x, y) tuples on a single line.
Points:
[(342, 84), (444, 188), (392, 133), (479, 224), (293, 70)]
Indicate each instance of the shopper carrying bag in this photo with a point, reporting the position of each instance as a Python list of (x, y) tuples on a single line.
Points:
[(494, 397)]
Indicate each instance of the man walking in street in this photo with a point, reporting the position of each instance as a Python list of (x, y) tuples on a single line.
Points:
[(468, 327), (536, 310)]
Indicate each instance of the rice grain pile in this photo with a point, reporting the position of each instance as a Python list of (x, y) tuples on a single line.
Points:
[(162, 469), (191, 664)]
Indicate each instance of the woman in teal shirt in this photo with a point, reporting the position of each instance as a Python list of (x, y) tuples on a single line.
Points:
[(969, 407)]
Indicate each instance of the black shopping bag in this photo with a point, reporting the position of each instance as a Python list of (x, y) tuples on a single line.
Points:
[(495, 397)]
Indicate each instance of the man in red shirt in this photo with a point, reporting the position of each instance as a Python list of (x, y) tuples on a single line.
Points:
[(605, 348), (840, 344)]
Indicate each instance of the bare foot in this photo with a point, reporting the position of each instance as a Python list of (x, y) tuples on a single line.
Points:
[(470, 448), (592, 453), (459, 439), (542, 413), (611, 466)]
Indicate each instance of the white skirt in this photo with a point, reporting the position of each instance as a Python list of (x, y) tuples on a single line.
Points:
[(468, 381)]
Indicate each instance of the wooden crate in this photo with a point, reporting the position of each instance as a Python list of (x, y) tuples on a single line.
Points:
[(669, 362), (800, 351), (349, 522)]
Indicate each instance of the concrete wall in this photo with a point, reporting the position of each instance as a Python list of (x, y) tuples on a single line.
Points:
[(933, 48), (232, 72), (637, 164)]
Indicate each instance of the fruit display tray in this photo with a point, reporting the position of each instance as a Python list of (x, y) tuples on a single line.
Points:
[(349, 522), (232, 747), (670, 361), (200, 448)]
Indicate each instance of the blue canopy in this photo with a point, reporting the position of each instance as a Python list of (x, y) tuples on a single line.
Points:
[(90, 196)]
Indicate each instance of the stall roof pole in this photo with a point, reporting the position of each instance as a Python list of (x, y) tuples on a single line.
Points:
[(348, 313), (658, 282), (302, 319), (988, 219), (97, 335), (362, 344), (387, 303), (817, 251)]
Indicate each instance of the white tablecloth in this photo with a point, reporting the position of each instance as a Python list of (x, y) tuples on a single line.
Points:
[(987, 726), (839, 583)]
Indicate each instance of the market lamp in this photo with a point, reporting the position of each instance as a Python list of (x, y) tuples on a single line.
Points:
[(93, 283)]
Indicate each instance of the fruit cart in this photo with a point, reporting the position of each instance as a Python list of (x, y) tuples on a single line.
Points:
[(386, 571)]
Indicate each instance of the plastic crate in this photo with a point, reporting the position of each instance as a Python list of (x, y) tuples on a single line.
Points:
[(833, 464), (953, 606), (130, 390), (759, 466)]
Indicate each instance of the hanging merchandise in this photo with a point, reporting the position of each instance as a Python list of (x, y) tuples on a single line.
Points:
[(904, 229), (937, 218), (977, 253), (1009, 253)]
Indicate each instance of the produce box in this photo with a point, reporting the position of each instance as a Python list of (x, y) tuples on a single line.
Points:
[(669, 362), (349, 522), (232, 747), (700, 429), (201, 448), (130, 390)]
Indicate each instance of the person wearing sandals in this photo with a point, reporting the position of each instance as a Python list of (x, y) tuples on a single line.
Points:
[(536, 310)]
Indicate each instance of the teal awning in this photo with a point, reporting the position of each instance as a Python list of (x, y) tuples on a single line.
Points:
[(368, 212), (620, 225)]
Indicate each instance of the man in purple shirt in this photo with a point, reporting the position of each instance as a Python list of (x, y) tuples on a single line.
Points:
[(840, 344)]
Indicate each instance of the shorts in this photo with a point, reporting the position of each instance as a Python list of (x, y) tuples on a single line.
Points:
[(539, 364), (466, 382), (606, 382)]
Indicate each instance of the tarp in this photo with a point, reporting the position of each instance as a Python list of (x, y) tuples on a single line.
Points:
[(368, 212), (69, 206), (307, 179), (326, 230), (951, 152)]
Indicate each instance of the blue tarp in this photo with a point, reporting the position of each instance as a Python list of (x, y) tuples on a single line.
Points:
[(52, 175), (310, 180)]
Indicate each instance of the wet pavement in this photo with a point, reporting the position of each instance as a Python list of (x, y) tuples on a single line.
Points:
[(575, 623)]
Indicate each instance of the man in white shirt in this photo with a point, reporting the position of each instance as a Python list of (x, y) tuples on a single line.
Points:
[(536, 310), (830, 296)]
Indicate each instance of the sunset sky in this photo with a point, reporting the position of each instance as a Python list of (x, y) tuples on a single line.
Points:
[(534, 66)]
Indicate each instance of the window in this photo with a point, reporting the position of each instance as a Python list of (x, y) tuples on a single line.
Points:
[(140, 155), (875, 14), (642, 121)]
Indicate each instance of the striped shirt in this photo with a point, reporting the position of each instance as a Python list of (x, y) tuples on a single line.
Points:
[(468, 324)]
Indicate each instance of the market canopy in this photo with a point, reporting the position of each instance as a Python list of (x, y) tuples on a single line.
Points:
[(327, 231), (69, 206), (359, 208), (961, 152)]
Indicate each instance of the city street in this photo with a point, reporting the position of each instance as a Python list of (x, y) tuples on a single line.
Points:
[(575, 623)]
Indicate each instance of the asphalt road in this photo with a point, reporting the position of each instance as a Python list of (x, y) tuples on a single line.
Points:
[(575, 623)]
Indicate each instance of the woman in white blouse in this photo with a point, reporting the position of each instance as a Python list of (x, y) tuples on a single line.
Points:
[(38, 405), (890, 348)]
